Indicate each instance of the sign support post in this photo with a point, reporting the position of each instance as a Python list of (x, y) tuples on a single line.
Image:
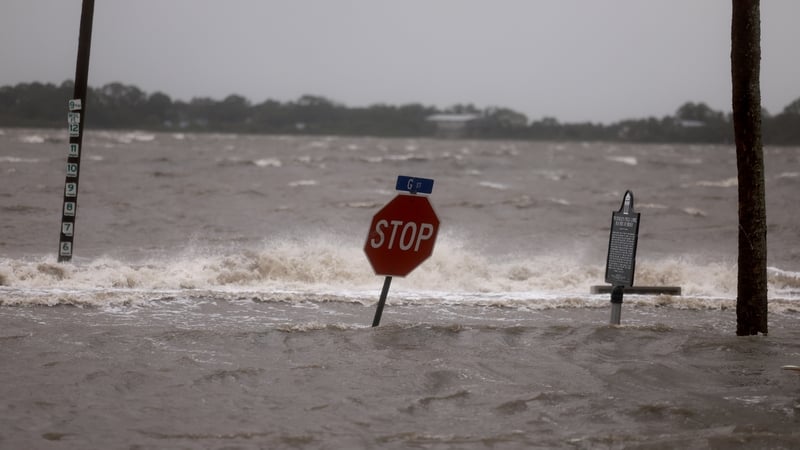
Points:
[(75, 121), (616, 304), (621, 260), (384, 293), (401, 235)]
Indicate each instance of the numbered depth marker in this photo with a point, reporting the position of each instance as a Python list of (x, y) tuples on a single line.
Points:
[(75, 124), (66, 228), (71, 182)]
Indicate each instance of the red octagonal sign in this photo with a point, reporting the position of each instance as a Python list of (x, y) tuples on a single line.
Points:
[(401, 235)]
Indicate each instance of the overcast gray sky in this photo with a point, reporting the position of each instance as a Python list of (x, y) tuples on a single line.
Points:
[(576, 60)]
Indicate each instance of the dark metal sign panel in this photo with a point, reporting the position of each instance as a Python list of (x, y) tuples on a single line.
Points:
[(621, 260)]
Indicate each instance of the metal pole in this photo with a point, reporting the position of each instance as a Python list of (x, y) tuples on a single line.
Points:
[(384, 292), (616, 304), (76, 118)]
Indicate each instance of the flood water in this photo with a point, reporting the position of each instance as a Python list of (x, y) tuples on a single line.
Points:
[(219, 297)]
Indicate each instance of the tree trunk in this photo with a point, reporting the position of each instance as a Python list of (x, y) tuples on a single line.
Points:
[(751, 301)]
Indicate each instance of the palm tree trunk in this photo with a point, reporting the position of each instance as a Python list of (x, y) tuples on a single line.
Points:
[(751, 301)]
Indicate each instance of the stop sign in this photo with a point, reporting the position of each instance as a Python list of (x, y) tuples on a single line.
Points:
[(401, 235)]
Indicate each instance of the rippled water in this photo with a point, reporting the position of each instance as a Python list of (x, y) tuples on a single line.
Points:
[(220, 297)]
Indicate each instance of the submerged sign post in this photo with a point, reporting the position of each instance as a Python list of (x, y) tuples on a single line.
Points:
[(75, 122), (621, 259), (402, 234)]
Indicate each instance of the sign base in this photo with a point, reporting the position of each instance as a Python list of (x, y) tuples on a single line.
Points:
[(641, 290)]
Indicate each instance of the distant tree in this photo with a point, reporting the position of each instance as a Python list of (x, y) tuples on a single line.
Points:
[(751, 301), (506, 118), (314, 101), (793, 108), (233, 110), (498, 122), (459, 108), (698, 112), (784, 128), (158, 110), (117, 105)]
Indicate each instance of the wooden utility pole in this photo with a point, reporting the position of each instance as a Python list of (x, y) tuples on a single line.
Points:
[(751, 300), (76, 117)]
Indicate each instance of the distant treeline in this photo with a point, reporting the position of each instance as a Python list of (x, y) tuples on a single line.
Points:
[(120, 106)]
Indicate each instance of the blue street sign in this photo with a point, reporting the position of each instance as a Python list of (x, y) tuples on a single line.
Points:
[(414, 185)]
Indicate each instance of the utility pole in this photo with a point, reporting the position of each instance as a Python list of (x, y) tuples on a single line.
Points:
[(76, 118)]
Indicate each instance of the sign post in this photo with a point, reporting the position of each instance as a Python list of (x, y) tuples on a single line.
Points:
[(621, 259), (75, 122), (401, 235)]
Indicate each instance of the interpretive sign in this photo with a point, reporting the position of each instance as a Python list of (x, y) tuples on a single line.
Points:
[(621, 260)]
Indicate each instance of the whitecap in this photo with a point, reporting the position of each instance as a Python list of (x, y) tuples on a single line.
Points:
[(553, 175), (14, 159), (303, 183), (368, 205), (695, 212), (494, 185), (726, 183), (32, 139), (629, 160), (372, 159), (559, 201), (268, 162), (406, 158), (789, 175), (136, 136), (651, 206)]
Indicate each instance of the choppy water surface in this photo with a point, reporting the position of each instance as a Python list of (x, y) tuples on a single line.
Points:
[(220, 298)]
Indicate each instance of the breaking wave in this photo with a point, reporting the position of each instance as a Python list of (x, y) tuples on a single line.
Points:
[(327, 269)]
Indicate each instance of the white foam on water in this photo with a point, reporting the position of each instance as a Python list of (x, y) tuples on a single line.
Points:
[(726, 183), (32, 139), (268, 162), (493, 185), (651, 206), (135, 136), (301, 183), (559, 201), (14, 159), (325, 268), (629, 160), (697, 212)]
